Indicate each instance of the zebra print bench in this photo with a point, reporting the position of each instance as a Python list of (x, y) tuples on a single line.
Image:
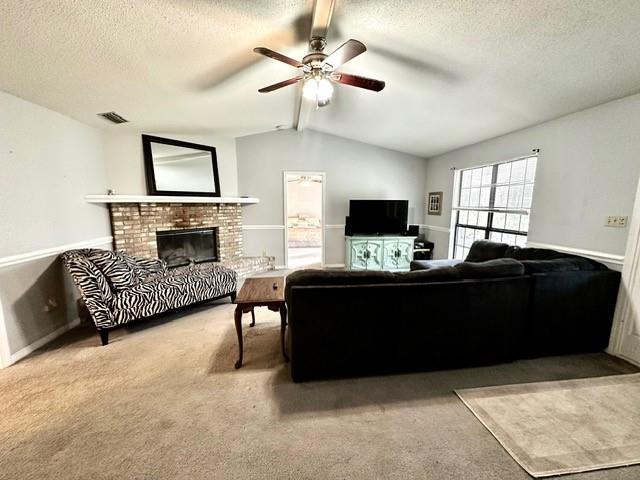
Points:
[(118, 288)]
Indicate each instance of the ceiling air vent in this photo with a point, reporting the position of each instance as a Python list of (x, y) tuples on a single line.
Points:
[(113, 117)]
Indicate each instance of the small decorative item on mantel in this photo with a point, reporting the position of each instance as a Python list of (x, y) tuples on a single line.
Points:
[(434, 203)]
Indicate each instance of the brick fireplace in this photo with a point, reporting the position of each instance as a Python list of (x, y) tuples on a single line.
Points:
[(134, 227)]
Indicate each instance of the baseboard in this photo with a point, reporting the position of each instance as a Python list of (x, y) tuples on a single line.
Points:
[(632, 361), (23, 352)]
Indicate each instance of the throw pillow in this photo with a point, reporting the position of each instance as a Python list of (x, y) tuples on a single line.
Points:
[(483, 250), (501, 267), (118, 272)]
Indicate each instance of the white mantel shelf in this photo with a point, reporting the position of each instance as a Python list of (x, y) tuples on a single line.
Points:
[(166, 199)]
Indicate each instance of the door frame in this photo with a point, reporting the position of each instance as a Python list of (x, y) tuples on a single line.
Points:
[(285, 211), (623, 319), (5, 350)]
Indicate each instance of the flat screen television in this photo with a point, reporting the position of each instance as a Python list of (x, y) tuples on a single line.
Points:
[(378, 217)]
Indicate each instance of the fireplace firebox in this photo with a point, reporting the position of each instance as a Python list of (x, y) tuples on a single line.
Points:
[(193, 245)]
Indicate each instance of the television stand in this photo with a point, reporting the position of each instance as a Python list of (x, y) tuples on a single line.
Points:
[(379, 252)]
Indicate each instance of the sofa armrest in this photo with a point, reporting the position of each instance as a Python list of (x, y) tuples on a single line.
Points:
[(93, 287)]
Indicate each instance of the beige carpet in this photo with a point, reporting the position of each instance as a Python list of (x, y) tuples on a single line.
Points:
[(555, 428), (163, 401)]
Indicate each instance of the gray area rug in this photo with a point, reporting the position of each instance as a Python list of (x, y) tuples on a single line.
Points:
[(560, 427)]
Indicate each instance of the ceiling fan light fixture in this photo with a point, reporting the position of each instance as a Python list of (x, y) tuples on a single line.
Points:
[(318, 89)]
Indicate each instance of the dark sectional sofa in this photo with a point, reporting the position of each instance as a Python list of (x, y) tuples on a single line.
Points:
[(502, 303)]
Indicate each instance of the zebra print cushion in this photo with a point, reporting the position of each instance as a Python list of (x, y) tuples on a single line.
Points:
[(151, 265), (158, 291), (179, 287), (121, 271)]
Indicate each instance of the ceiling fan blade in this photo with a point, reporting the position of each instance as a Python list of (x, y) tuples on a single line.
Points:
[(345, 52), (358, 81), (267, 52), (278, 85), (321, 17)]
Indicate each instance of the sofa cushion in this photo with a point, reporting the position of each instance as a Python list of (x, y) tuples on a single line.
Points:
[(440, 274), (428, 264), (336, 277), (483, 250), (118, 271), (530, 253), (339, 277), (178, 288), (569, 264), (501, 267)]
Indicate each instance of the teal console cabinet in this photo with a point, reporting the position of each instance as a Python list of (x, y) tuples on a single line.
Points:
[(378, 253)]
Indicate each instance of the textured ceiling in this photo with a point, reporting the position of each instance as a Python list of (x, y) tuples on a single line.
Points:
[(457, 71)]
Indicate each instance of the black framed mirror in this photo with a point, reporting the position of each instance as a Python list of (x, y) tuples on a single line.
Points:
[(174, 167)]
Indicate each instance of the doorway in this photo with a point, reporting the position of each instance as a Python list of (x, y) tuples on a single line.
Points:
[(304, 219), (625, 336)]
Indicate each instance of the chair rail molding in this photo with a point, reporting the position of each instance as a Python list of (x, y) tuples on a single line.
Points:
[(435, 228), (47, 252), (262, 227)]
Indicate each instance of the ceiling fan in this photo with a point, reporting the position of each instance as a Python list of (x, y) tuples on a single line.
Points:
[(318, 70)]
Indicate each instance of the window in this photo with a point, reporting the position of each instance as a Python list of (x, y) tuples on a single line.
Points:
[(494, 203)]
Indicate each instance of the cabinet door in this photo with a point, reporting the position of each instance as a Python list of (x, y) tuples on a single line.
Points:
[(398, 254), (366, 255)]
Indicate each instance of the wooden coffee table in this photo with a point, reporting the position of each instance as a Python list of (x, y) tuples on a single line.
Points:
[(261, 292)]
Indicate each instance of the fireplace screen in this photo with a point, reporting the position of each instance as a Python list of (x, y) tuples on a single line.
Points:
[(182, 247)]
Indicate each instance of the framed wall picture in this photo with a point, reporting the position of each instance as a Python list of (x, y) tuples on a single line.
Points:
[(434, 203)]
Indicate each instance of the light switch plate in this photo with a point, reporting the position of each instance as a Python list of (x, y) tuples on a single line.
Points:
[(616, 221)]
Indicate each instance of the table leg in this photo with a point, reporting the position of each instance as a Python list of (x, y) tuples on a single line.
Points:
[(253, 318), (238, 320), (283, 328)]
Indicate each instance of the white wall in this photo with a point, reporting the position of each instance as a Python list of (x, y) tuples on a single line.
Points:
[(354, 170), (125, 161), (49, 162), (587, 169)]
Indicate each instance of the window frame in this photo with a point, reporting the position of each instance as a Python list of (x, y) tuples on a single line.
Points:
[(491, 209)]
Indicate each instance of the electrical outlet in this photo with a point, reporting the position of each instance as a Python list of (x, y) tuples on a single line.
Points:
[(51, 305), (616, 221)]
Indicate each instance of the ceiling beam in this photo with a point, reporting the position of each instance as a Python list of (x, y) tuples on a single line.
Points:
[(302, 112), (321, 17)]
